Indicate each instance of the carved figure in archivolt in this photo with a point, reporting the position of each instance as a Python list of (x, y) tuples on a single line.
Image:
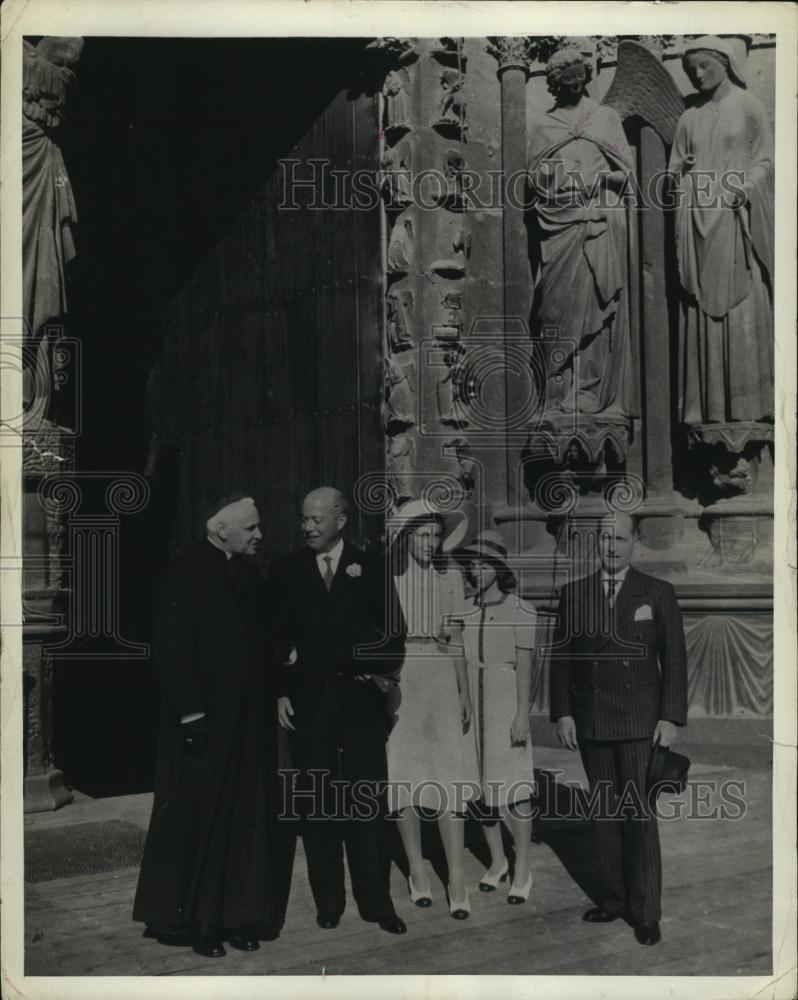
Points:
[(459, 249), (401, 464), (453, 104), (453, 168), (401, 247), (397, 101), (464, 455), (399, 407), (451, 325), (579, 162), (451, 404), (724, 242), (397, 183), (400, 319)]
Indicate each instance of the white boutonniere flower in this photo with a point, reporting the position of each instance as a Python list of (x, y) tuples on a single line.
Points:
[(354, 569)]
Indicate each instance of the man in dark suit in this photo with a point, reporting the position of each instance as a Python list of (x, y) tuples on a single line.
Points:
[(215, 866), (332, 601), (618, 687)]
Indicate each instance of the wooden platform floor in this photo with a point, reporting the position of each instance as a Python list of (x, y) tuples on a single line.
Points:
[(716, 903)]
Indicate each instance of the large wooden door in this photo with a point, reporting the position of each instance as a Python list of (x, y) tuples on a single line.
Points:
[(270, 379)]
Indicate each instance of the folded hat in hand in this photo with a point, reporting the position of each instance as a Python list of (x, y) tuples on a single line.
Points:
[(667, 771)]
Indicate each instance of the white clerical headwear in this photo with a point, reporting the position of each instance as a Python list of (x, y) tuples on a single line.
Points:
[(233, 507)]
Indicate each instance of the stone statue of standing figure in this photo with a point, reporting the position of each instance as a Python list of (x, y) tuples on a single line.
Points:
[(579, 162), (723, 155)]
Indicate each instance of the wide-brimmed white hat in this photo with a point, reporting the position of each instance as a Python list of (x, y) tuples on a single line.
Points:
[(455, 522), (488, 546)]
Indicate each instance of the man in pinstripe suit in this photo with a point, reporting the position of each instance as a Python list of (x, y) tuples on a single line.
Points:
[(331, 601), (619, 686)]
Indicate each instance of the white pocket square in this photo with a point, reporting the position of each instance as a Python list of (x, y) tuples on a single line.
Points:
[(643, 613)]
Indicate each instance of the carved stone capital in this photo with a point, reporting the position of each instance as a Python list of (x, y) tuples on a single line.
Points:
[(513, 52)]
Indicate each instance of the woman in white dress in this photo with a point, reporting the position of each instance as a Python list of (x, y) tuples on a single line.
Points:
[(431, 752), (500, 639)]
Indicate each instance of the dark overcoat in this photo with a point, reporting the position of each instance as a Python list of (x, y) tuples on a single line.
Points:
[(212, 856), (618, 674)]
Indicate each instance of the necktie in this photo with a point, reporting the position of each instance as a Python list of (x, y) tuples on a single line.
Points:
[(612, 586), (329, 576)]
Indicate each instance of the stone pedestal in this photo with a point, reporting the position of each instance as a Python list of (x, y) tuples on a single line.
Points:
[(740, 532), (44, 783)]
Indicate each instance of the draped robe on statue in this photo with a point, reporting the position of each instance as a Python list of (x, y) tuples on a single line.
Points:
[(725, 262), (48, 206), (581, 288)]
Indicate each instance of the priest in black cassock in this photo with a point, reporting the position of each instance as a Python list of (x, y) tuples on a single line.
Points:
[(216, 864)]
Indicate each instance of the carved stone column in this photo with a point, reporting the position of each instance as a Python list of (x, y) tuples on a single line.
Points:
[(46, 451), (427, 248), (513, 56)]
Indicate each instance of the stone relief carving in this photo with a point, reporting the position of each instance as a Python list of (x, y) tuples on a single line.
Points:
[(452, 108), (451, 325), (47, 450), (453, 167), (400, 319), (454, 266), (448, 51), (396, 183), (400, 393), (449, 388), (737, 481), (397, 104), (467, 466), (398, 51), (401, 464), (401, 247)]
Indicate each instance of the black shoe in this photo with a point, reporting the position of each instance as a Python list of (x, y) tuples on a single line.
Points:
[(328, 920), (208, 947), (648, 932), (244, 942), (598, 915), (393, 924)]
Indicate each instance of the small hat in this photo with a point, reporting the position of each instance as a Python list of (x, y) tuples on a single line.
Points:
[(488, 545), (667, 771), (455, 522)]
